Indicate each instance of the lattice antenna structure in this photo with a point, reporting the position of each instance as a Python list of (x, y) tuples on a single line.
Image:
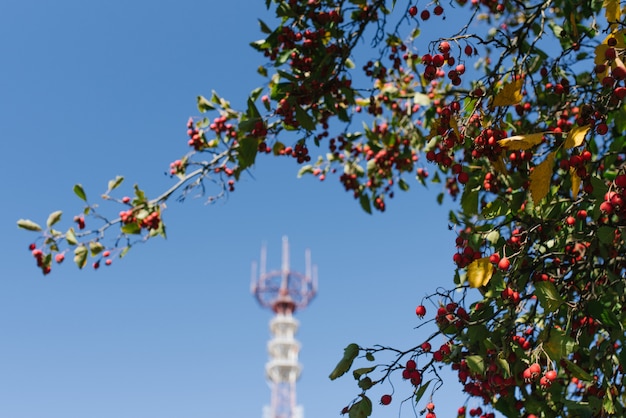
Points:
[(283, 291)]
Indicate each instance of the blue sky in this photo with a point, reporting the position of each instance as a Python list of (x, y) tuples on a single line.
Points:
[(91, 90)]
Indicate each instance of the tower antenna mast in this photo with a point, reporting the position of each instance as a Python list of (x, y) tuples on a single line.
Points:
[(283, 291)]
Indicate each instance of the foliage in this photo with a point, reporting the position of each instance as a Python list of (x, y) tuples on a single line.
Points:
[(518, 113)]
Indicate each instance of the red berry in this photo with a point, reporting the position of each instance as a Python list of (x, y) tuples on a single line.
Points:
[(620, 92), (430, 406), (59, 258), (504, 264), (385, 399), (494, 258), (463, 177), (551, 375), (535, 369), (438, 10), (620, 181), (444, 47), (420, 311), (411, 364), (426, 346), (425, 15), (413, 11)]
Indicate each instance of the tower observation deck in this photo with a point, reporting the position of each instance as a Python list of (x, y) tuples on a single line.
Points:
[(283, 291)]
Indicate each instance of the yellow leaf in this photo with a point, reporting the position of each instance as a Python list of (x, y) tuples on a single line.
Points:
[(600, 51), (572, 21), (612, 12), (479, 272), (510, 94), (434, 127), (500, 166), (540, 179), (521, 142), (455, 126), (576, 137), (575, 182), (326, 38)]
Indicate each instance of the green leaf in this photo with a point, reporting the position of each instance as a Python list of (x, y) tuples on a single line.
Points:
[(80, 192), (602, 313), (504, 366), (131, 228), (403, 185), (305, 169), (80, 256), (494, 209), (363, 370), (304, 119), (95, 247), (115, 183), (476, 364), (140, 196), (124, 251), (559, 345), (548, 296), (607, 403), (349, 354), (369, 356), (606, 234), (469, 201), (420, 392), (578, 371), (264, 27), (247, 150), (253, 112), (366, 383), (70, 236), (28, 224), (53, 218), (366, 205), (361, 409), (204, 105)]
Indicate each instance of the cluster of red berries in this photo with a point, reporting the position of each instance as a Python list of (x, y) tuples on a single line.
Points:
[(41, 259), (196, 137), (425, 14), (128, 216), (430, 408), (614, 199), (177, 167), (300, 152), (411, 373), (152, 221)]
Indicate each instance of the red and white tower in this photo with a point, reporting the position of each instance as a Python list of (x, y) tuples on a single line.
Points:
[(283, 291)]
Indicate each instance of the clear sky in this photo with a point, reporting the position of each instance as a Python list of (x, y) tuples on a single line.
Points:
[(94, 89)]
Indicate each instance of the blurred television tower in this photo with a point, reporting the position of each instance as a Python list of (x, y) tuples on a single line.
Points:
[(283, 291)]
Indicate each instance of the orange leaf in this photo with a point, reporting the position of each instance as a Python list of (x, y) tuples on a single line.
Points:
[(479, 272), (521, 142), (575, 182), (510, 94), (540, 179), (576, 137)]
